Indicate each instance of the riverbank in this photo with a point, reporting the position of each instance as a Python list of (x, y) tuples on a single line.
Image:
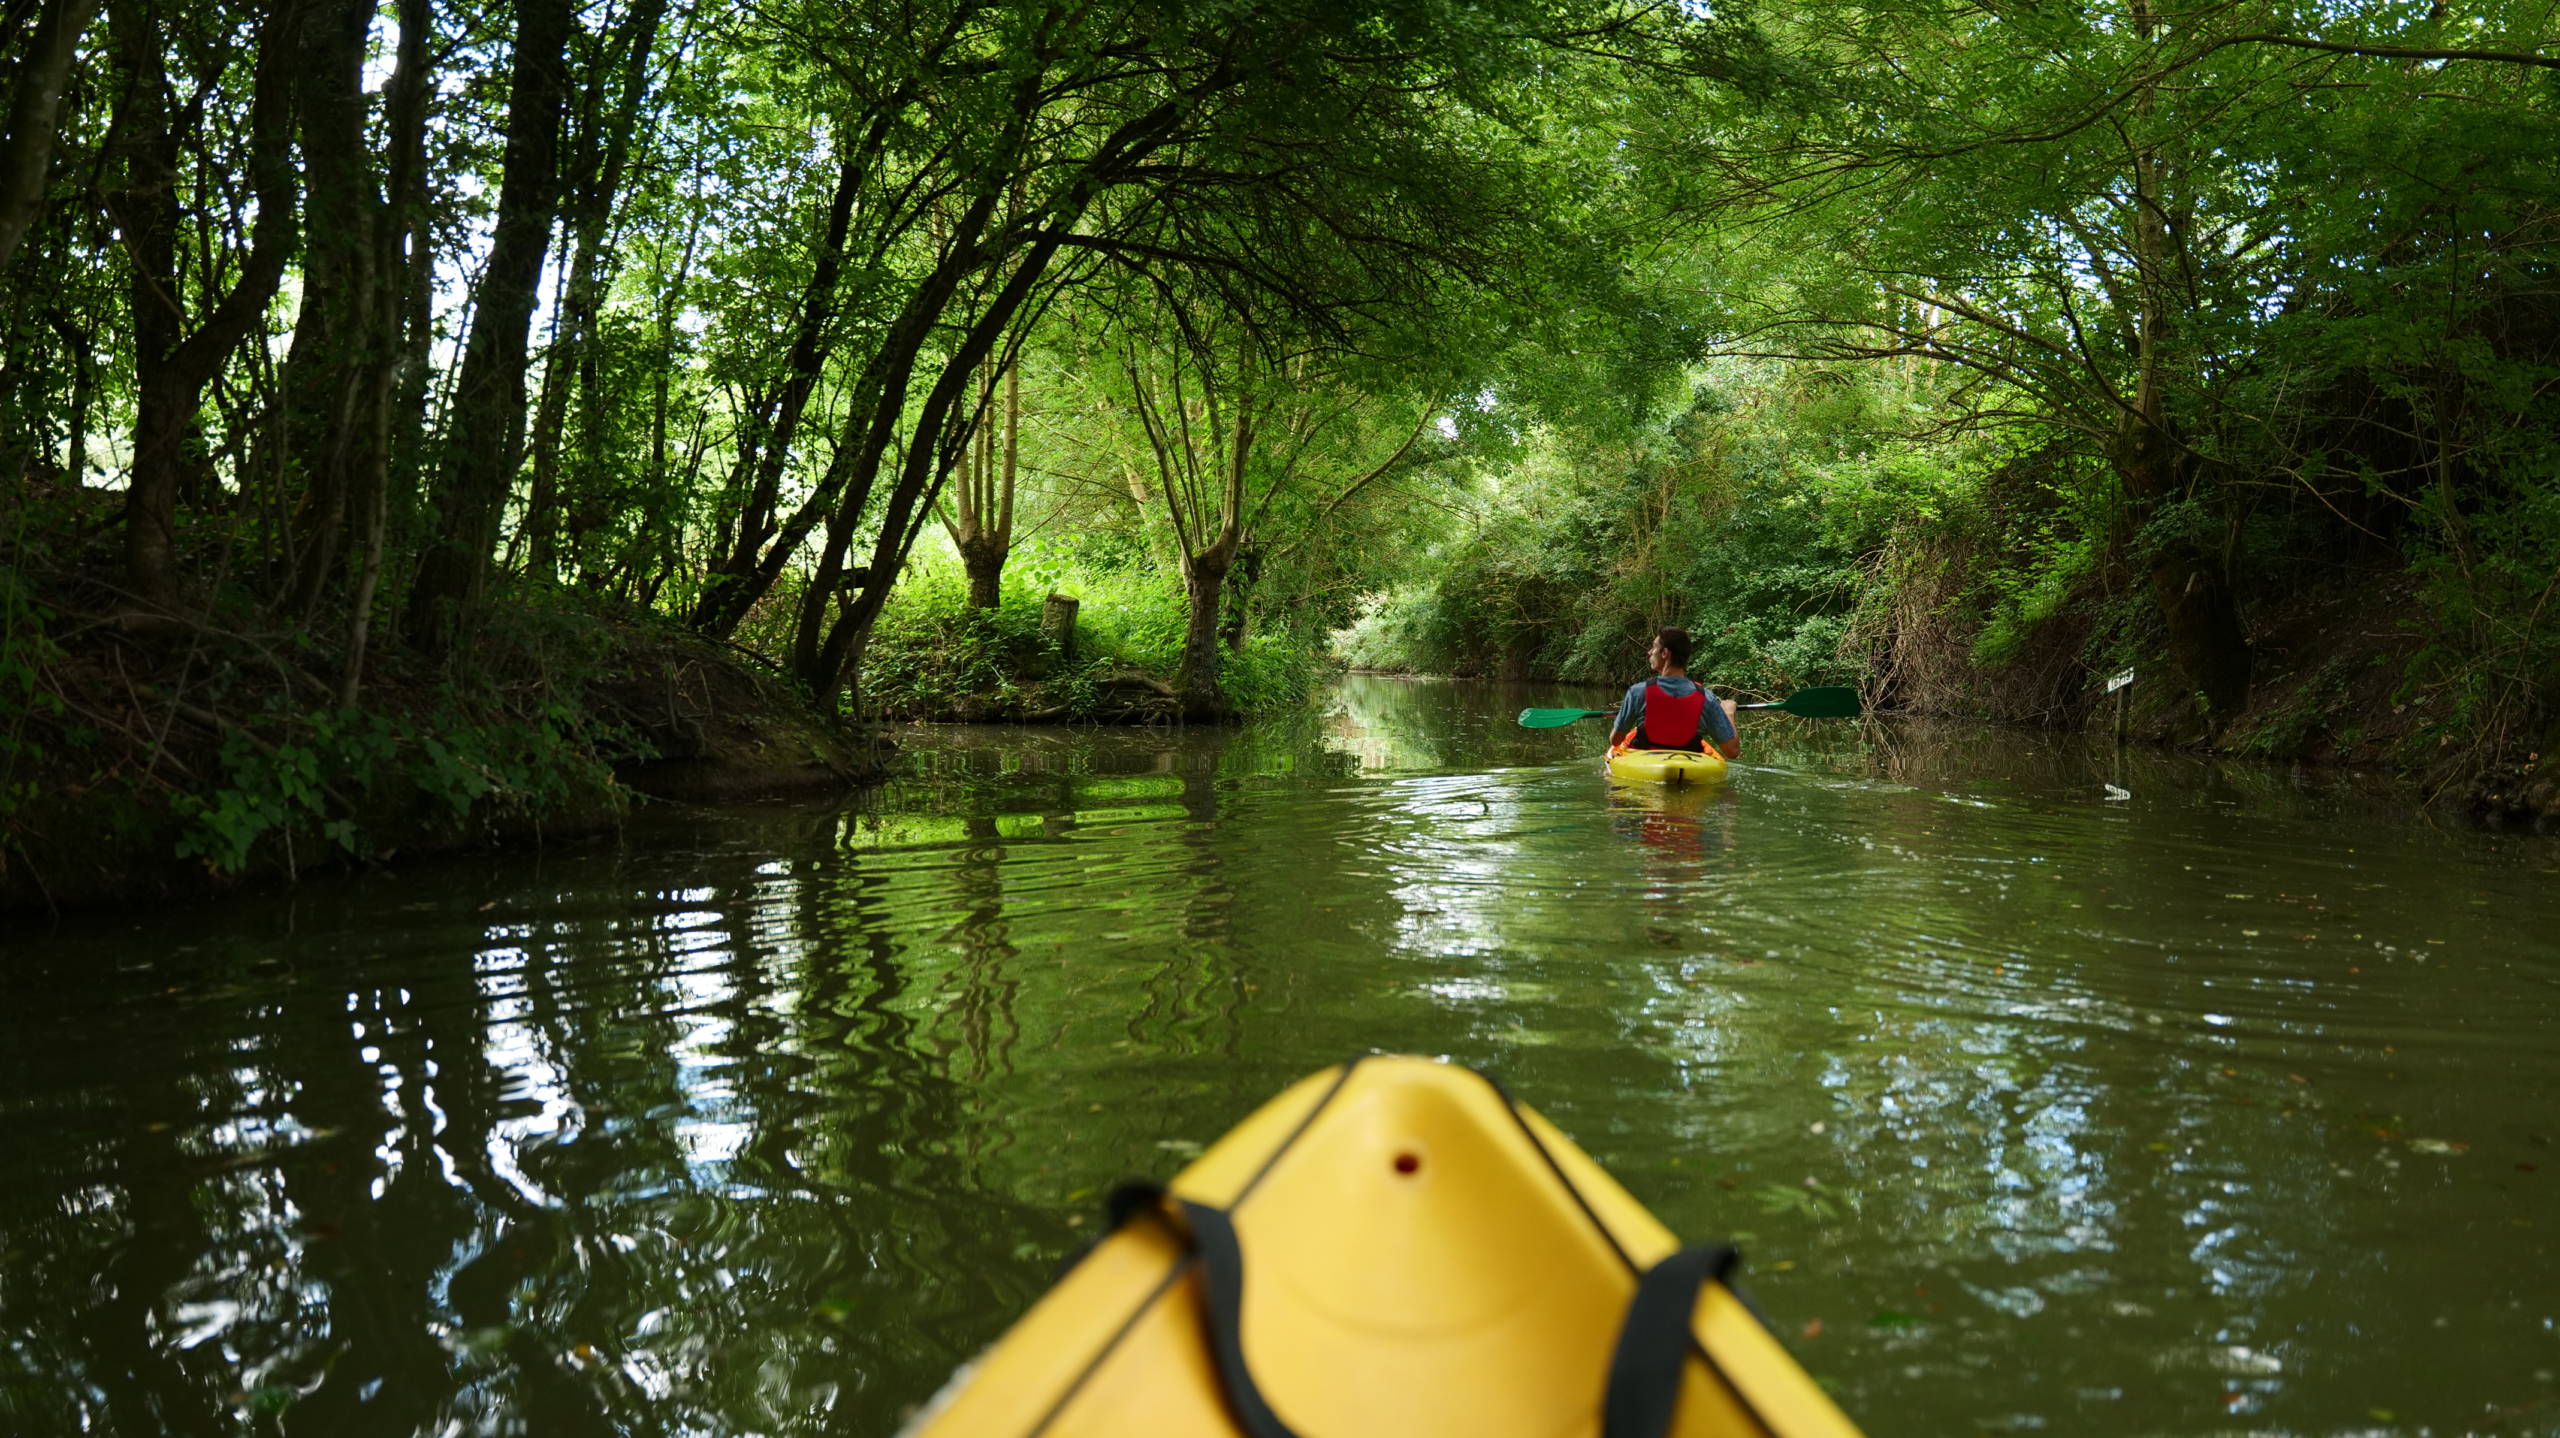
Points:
[(2342, 680), (2350, 673), (2324, 704), (164, 757)]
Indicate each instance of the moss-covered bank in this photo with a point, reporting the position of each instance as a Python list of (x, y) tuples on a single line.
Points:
[(157, 757)]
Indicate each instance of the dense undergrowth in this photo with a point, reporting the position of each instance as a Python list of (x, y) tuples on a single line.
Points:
[(147, 751), (138, 756)]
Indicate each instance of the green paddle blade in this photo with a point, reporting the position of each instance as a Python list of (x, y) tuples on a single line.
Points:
[(1833, 703), (1558, 718)]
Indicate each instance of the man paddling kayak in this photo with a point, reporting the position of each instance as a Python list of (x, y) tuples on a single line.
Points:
[(1670, 711)]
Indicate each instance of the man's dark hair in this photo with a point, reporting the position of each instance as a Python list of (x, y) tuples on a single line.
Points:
[(1674, 642)]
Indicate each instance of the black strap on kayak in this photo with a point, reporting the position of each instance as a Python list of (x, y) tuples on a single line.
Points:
[(1208, 1237), (1654, 1343), (1213, 1237), (1683, 1333), (1132, 1200), (1129, 1200)]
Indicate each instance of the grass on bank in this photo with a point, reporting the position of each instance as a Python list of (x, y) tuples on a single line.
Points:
[(935, 658)]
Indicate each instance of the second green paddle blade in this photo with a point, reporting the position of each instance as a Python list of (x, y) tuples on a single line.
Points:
[(1557, 718), (1834, 703)]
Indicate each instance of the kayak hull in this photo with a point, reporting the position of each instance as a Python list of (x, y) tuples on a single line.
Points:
[(1666, 766), (1421, 1257)]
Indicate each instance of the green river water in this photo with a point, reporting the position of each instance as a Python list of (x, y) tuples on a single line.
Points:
[(2229, 1105)]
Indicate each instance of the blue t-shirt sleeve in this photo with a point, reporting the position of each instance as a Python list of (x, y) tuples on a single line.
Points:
[(1630, 709), (1714, 722)]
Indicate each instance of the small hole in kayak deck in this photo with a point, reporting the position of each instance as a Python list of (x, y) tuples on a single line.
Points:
[(1408, 1162)]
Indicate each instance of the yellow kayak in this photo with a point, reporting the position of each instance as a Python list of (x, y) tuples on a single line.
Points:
[(1388, 1247), (1665, 766)]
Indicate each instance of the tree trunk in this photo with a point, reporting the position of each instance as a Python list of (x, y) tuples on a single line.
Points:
[(35, 109), (414, 340), (145, 210), (400, 288), (84, 394), (731, 587), (571, 361), (346, 365), (542, 444), (1203, 583), (980, 516), (172, 366), (984, 564), (486, 437), (1239, 597), (1205, 568)]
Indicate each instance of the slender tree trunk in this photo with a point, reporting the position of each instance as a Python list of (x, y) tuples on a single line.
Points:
[(415, 323), (1206, 565), (35, 109), (542, 444), (651, 541), (571, 362), (84, 393), (486, 437), (172, 366), (732, 587), (392, 227)]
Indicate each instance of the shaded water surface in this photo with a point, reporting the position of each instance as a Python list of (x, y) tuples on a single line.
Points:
[(2230, 1106)]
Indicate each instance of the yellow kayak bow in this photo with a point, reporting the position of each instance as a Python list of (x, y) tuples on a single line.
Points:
[(1388, 1247)]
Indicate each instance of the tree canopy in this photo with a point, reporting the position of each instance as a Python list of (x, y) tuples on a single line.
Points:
[(350, 323)]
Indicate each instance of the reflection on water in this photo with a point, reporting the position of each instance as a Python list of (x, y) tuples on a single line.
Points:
[(2230, 1106)]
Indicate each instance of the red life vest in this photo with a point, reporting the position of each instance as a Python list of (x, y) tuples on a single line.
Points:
[(1671, 721)]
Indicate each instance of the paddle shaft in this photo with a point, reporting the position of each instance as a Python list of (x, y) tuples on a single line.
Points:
[(1824, 703)]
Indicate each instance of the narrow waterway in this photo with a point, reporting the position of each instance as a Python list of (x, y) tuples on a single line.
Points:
[(2044, 1088)]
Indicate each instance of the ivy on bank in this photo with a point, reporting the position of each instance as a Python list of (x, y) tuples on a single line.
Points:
[(342, 768)]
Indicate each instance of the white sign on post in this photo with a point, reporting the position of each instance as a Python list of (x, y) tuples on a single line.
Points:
[(2119, 681)]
